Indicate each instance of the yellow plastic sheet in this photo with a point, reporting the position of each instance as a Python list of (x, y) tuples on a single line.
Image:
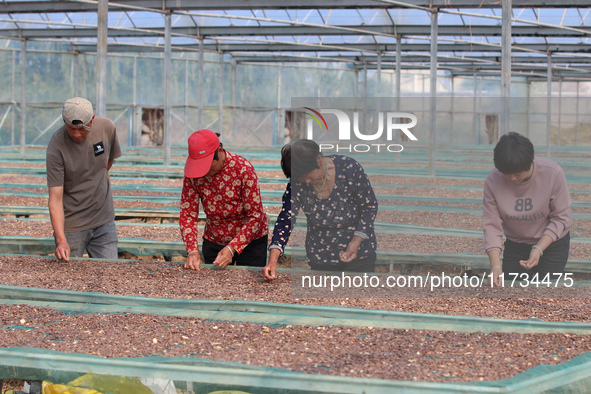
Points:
[(229, 392), (51, 388), (98, 384)]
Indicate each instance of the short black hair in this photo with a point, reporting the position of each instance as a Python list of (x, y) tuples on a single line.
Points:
[(300, 158), (286, 160), (215, 154), (513, 153)]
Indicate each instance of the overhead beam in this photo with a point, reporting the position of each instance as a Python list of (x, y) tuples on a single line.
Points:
[(347, 47), (562, 60), (530, 76), (452, 64), (406, 47), (172, 5), (245, 31), (482, 67)]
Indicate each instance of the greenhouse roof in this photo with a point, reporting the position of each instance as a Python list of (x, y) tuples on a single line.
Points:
[(364, 34)]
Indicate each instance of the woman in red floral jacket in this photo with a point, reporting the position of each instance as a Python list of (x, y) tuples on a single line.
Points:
[(236, 227)]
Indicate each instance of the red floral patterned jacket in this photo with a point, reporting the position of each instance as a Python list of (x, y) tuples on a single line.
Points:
[(231, 201)]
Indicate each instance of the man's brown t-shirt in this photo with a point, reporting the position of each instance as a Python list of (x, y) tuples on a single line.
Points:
[(81, 168)]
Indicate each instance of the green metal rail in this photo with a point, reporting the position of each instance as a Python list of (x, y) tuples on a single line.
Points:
[(260, 312), (206, 376), (143, 247)]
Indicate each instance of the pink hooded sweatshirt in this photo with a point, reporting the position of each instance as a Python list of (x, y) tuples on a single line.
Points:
[(526, 211)]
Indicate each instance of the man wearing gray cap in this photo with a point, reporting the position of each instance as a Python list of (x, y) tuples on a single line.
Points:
[(79, 156)]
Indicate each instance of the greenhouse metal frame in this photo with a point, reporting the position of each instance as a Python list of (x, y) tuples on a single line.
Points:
[(376, 48)]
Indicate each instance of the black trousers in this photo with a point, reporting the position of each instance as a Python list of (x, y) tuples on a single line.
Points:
[(553, 261), (255, 253), (367, 264)]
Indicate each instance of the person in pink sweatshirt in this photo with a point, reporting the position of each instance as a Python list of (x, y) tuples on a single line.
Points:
[(526, 199)]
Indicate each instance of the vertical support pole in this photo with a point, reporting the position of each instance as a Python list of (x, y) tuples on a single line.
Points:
[(13, 98), (356, 87), (167, 83), (318, 88), (474, 112), (379, 76), (278, 135), (319, 84), (398, 87), (365, 82), (130, 123), (398, 71), (549, 106), (132, 138), (577, 117), (23, 95), (221, 96), (423, 105), (186, 121), (527, 124), (451, 131), (433, 92), (364, 111), (234, 92), (479, 107), (101, 58), (559, 111), (378, 91), (392, 82), (200, 87), (76, 67), (506, 67)]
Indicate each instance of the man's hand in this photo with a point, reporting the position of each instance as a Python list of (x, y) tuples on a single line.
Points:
[(224, 257), (193, 261), (62, 251), (56, 214)]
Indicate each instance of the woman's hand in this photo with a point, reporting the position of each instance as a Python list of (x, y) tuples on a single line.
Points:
[(496, 270), (271, 267), (193, 261), (496, 276), (224, 257), (269, 272), (534, 259), (351, 253)]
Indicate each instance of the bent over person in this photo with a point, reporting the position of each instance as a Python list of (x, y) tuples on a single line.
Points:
[(335, 194), (79, 156), (527, 200), (236, 226)]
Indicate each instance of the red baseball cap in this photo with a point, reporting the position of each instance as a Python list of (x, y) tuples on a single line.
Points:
[(202, 146)]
